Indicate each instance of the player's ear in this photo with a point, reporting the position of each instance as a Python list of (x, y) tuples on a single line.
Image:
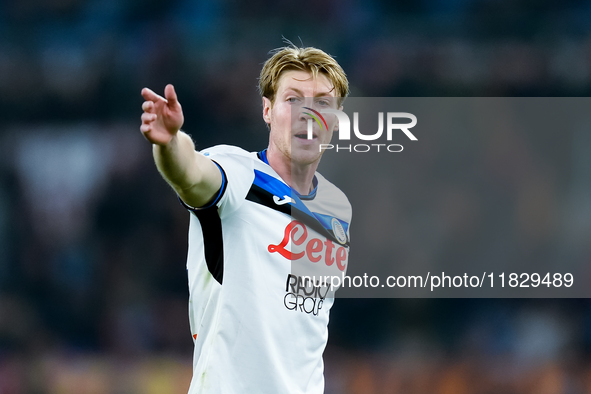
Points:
[(267, 106)]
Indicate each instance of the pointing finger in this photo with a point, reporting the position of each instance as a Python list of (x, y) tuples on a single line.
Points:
[(149, 95)]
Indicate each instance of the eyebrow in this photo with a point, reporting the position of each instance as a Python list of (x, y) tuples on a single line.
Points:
[(322, 94)]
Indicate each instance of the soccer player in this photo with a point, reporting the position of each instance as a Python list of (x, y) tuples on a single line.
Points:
[(260, 221)]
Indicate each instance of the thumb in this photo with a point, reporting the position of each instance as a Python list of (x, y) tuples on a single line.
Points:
[(170, 95)]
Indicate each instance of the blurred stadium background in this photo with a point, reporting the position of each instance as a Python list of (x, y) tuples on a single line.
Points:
[(93, 294)]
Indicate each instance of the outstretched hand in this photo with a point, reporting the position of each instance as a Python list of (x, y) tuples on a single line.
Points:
[(162, 117)]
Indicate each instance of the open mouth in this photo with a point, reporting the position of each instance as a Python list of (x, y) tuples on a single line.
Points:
[(304, 136)]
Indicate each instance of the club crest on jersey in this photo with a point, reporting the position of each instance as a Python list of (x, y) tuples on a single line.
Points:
[(339, 231)]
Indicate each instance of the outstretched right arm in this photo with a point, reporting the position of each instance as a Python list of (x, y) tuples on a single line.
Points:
[(194, 177)]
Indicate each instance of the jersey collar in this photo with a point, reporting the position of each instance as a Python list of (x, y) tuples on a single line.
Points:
[(262, 155)]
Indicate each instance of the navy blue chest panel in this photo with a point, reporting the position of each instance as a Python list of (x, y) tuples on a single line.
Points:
[(274, 194)]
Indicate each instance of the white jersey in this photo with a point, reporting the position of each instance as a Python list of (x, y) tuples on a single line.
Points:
[(257, 326)]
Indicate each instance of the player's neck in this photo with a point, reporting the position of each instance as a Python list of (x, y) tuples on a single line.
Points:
[(298, 177), (302, 178)]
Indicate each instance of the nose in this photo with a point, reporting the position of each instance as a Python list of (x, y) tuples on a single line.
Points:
[(316, 116), (306, 114)]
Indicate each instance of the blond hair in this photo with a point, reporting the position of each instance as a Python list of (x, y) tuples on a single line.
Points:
[(307, 59)]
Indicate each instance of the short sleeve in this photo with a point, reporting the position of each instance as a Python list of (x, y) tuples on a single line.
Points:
[(237, 169)]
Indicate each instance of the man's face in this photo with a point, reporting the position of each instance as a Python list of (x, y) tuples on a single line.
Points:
[(288, 121)]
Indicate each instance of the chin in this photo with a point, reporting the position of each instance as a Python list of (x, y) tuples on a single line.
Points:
[(305, 157)]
